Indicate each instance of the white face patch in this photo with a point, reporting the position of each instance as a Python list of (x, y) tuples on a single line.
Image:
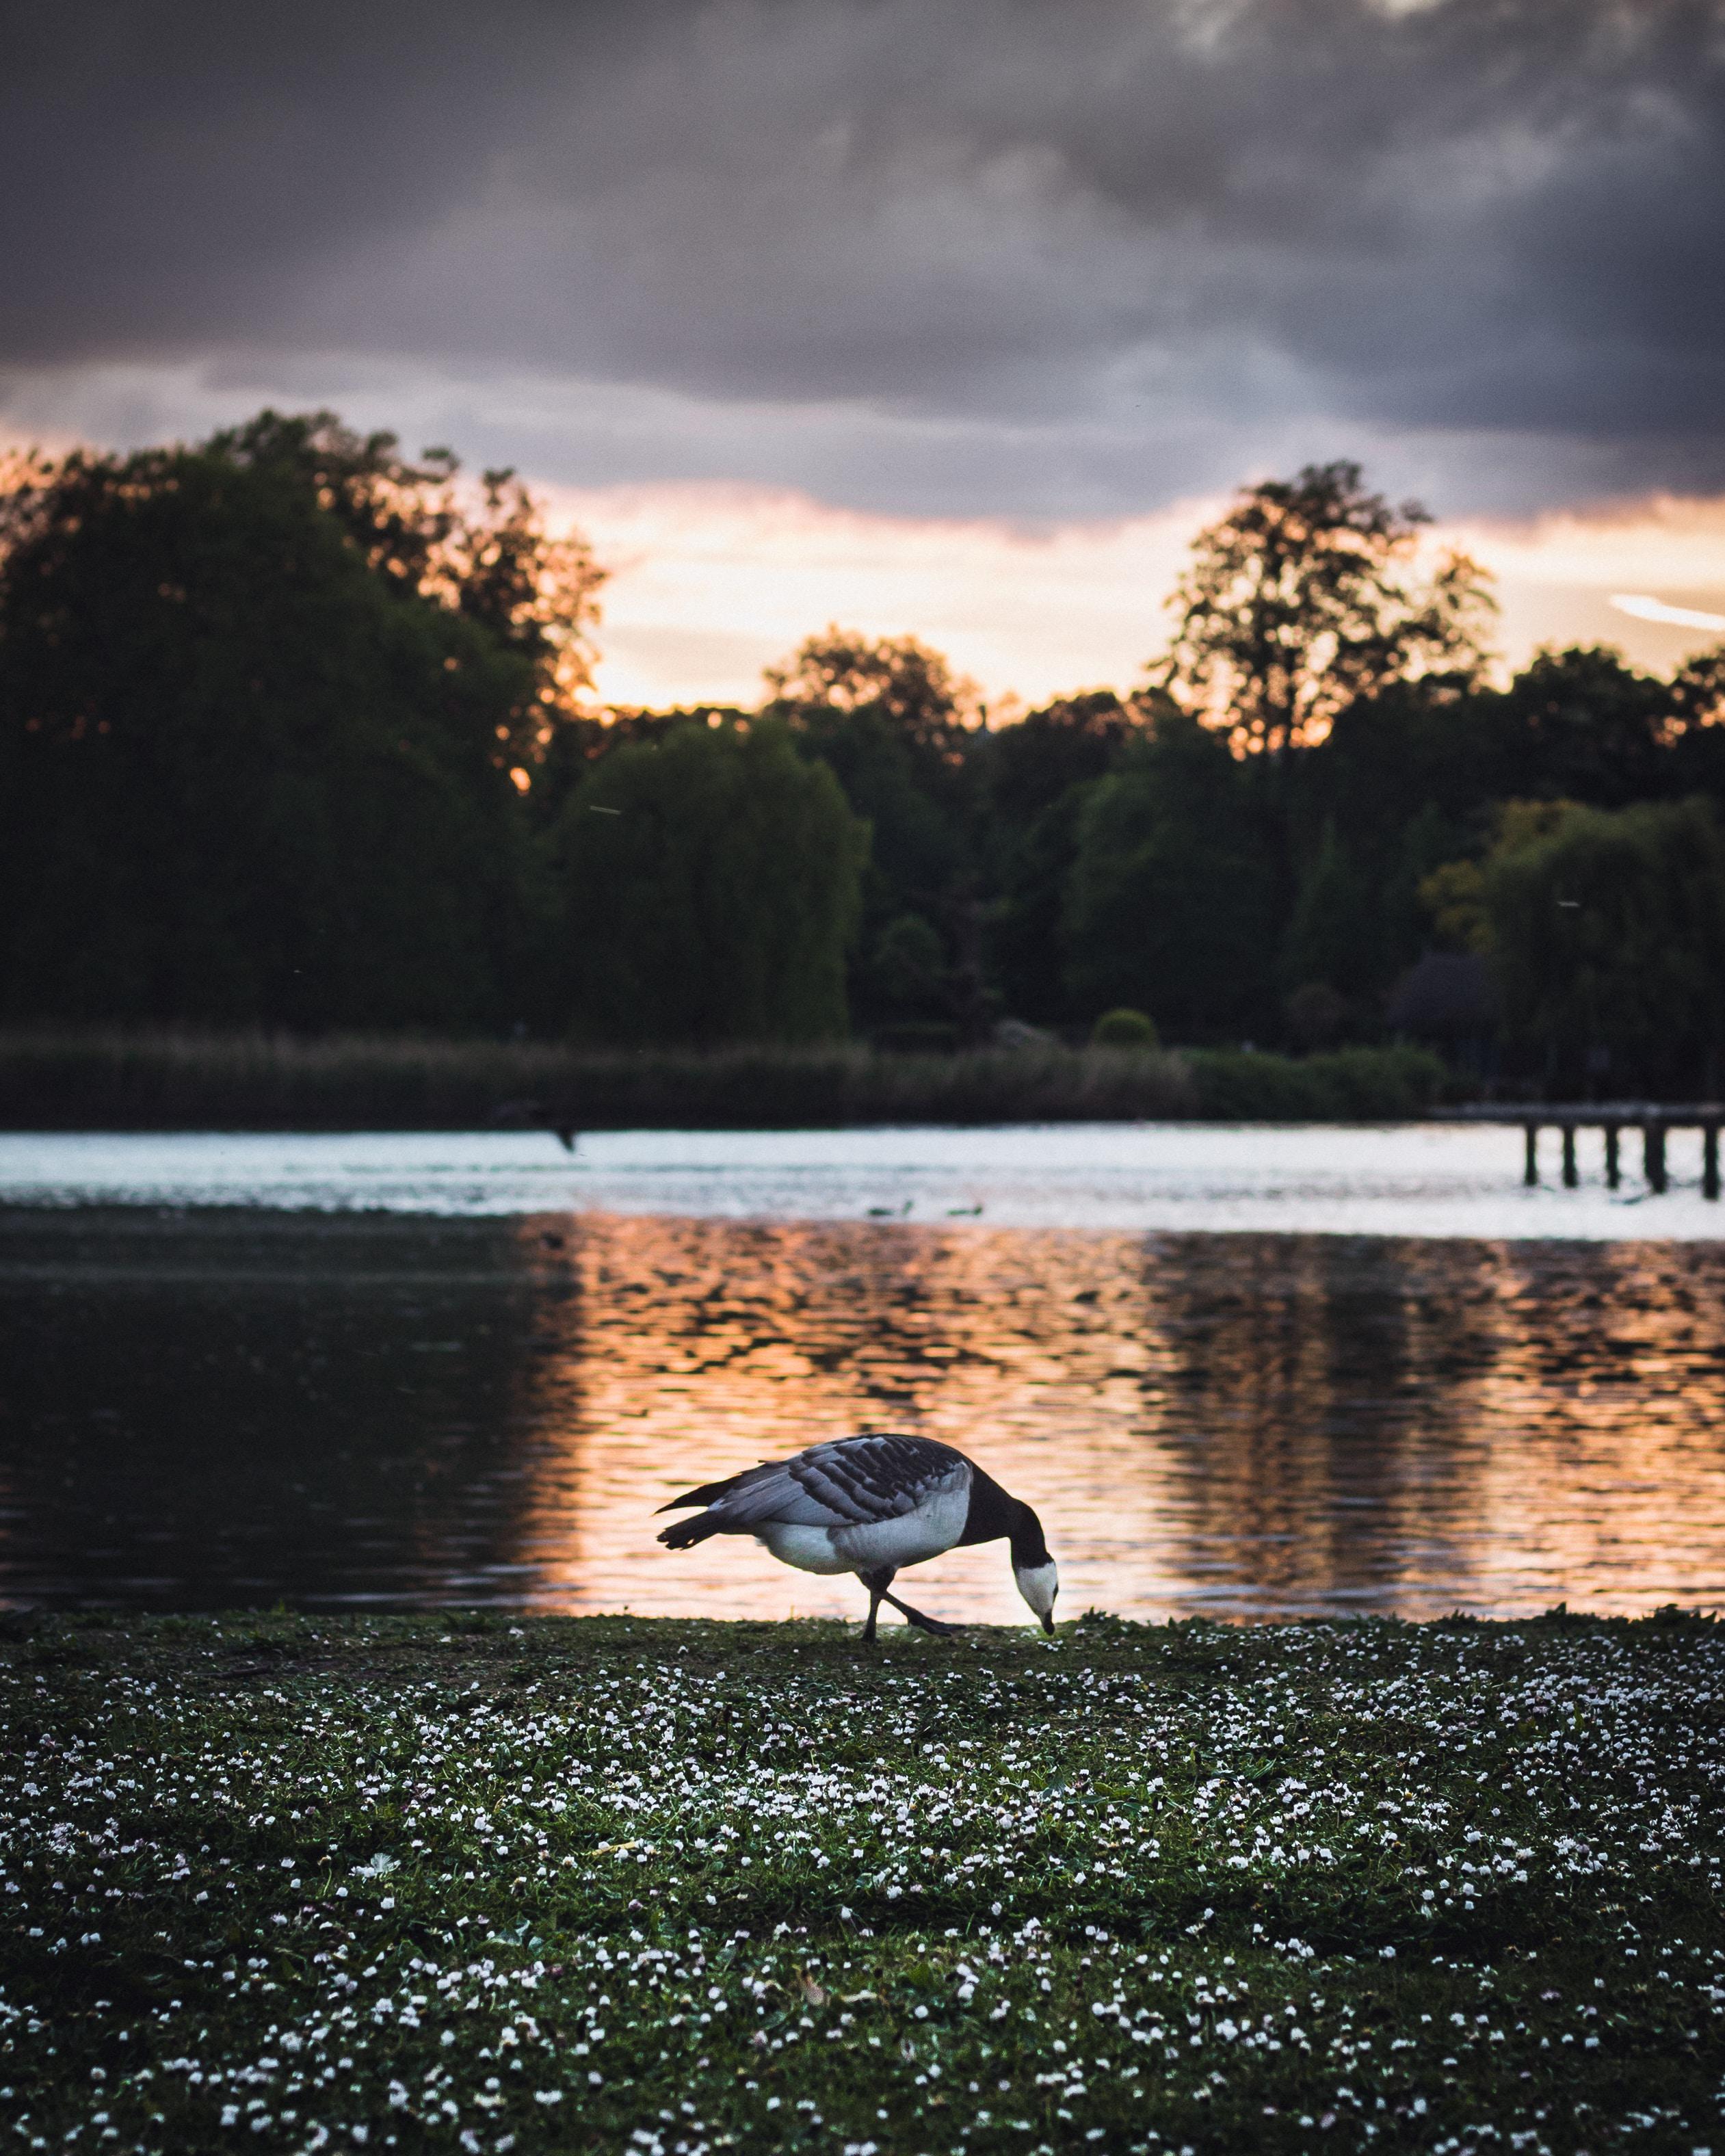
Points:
[(1039, 1584)]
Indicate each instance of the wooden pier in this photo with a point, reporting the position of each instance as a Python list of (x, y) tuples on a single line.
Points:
[(1611, 1120)]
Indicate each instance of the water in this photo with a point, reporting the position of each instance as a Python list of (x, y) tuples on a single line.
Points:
[(1408, 1179), (467, 1370)]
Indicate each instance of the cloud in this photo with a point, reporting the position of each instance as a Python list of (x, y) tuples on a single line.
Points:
[(1645, 608), (972, 257)]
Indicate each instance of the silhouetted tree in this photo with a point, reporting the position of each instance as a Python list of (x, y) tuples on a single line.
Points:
[(1303, 598), (1607, 930), (488, 558), (1032, 779), (894, 724), (245, 775), (709, 885), (1171, 905), (1333, 937), (1587, 726)]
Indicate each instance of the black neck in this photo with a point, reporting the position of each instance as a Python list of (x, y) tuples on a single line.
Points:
[(995, 1516)]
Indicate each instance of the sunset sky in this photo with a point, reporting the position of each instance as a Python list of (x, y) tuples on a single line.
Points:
[(949, 317)]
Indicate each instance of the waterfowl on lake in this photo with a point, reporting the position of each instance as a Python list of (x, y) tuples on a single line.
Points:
[(872, 1505), (535, 1116)]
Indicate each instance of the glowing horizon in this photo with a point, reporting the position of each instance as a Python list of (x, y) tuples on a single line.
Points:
[(710, 583)]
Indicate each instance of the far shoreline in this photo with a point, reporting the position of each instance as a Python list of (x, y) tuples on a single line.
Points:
[(162, 1080)]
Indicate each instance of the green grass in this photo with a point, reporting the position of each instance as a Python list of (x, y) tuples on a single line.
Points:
[(166, 1078), (307, 1883)]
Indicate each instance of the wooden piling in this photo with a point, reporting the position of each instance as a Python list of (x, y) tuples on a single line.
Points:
[(1654, 1119)]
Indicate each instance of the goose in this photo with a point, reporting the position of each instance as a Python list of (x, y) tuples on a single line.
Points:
[(871, 1505)]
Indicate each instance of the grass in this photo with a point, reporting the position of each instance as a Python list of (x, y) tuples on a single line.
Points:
[(308, 1883), (173, 1079)]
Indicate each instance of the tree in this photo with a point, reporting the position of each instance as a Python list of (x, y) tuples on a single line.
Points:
[(255, 765), (489, 558), (1333, 938), (908, 688), (1697, 750), (709, 886), (1303, 598), (1170, 905), (1033, 776), (895, 726), (1606, 930), (1588, 727), (1027, 765)]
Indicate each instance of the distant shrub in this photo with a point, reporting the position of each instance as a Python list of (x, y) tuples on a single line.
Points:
[(1347, 1085), (1124, 1028)]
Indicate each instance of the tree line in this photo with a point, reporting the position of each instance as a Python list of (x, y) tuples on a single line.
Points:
[(297, 732)]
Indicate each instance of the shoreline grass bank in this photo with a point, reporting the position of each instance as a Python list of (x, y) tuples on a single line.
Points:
[(307, 1883), (165, 1079)]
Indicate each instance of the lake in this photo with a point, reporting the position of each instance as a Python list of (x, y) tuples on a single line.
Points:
[(1243, 1372)]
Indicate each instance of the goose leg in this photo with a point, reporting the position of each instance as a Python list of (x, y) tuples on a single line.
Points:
[(916, 1617), (877, 1583)]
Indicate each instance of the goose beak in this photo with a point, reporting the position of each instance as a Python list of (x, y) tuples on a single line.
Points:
[(1048, 1622)]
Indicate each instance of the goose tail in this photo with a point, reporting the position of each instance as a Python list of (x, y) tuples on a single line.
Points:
[(684, 1534), (709, 1494)]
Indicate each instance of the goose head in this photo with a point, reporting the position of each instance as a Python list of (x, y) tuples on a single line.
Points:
[(1038, 1577)]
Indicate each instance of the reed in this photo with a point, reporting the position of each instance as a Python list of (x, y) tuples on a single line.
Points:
[(169, 1079)]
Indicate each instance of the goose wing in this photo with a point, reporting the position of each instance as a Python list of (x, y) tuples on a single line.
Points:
[(853, 1481)]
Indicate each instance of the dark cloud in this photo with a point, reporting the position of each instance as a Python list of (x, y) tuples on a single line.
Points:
[(1022, 257)]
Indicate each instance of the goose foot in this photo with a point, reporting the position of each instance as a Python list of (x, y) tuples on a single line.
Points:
[(924, 1623)]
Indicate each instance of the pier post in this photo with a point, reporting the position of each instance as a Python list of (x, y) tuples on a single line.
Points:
[(1614, 1174), (1570, 1178), (1710, 1160), (1530, 1172), (1653, 1155)]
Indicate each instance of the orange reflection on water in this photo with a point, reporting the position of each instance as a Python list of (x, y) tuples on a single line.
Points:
[(1241, 1425)]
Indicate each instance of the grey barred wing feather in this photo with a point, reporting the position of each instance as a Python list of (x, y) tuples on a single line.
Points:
[(771, 1492), (853, 1481), (866, 1480)]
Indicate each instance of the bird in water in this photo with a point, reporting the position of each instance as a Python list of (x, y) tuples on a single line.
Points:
[(872, 1505), (535, 1116)]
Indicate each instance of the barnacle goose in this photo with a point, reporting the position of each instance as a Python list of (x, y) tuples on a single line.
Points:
[(872, 1505)]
